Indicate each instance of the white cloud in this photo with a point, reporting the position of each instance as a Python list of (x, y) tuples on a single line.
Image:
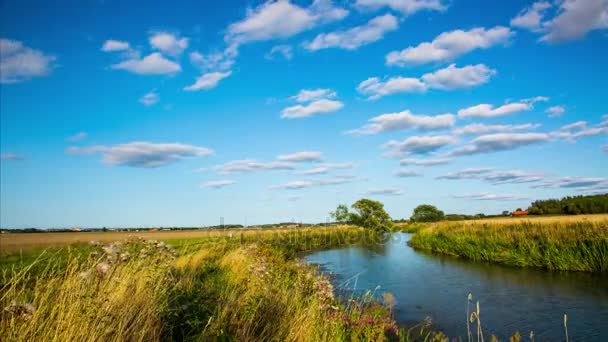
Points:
[(149, 99), (418, 145), (575, 19), (143, 154), (153, 64), (484, 196), (250, 165), (449, 78), (320, 101), (324, 168), (114, 45), (375, 88), (284, 50), (404, 120), (452, 77), (168, 43), (281, 19), (579, 129), (531, 18), (403, 173), (450, 45), (500, 141), (355, 37), (477, 128), (19, 63), (307, 183), (208, 81), (496, 177), (307, 95), (304, 156), (10, 156), (578, 183), (216, 61), (77, 137), (486, 110), (555, 111), (424, 162), (406, 7), (218, 183), (384, 192)]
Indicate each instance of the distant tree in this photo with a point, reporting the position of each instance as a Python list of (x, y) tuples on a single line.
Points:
[(506, 213), (571, 205), (427, 213), (341, 214), (518, 209), (370, 214)]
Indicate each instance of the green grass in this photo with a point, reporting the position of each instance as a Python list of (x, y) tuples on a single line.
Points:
[(554, 245)]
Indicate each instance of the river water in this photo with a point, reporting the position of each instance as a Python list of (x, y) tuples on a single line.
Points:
[(511, 299)]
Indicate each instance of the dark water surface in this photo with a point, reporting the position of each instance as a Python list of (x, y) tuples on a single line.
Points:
[(511, 299)]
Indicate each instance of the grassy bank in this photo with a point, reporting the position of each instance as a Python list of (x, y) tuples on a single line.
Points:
[(556, 243), (239, 287)]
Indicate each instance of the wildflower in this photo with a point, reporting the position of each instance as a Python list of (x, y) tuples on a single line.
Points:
[(102, 269), (124, 256)]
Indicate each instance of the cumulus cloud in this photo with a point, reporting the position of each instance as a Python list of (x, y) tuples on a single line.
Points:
[(384, 192), (499, 142), (10, 156), (115, 45), (149, 99), (575, 19), (324, 168), (478, 129), (168, 43), (404, 120), (486, 110), (452, 77), (355, 37), (406, 7), (319, 101), (307, 183), (531, 17), (77, 137), (250, 165), (208, 81), (218, 183), (495, 177), (450, 45), (281, 19), (307, 95), (424, 162), (214, 61), (376, 88), (555, 111), (153, 64), (403, 173), (580, 129), (283, 50), (449, 78), (304, 156), (484, 196), (418, 145), (143, 154), (19, 63)]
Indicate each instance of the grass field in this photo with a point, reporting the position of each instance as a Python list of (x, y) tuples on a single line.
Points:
[(574, 243)]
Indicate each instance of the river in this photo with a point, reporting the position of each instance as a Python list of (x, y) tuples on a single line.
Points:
[(511, 299)]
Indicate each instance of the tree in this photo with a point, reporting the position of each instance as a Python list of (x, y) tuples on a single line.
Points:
[(341, 214), (370, 214), (427, 213), (506, 213)]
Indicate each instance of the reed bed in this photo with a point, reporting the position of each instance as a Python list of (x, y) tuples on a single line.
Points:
[(552, 243)]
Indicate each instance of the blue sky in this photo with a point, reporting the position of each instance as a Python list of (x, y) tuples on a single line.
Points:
[(119, 113)]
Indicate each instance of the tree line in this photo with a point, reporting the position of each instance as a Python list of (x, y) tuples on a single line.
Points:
[(571, 205)]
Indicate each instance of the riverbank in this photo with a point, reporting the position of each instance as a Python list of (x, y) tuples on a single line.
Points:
[(555, 243), (244, 287)]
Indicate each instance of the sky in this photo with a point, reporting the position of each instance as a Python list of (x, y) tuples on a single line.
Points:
[(150, 113)]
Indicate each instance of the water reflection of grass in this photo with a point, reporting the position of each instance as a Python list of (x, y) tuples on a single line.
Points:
[(552, 244)]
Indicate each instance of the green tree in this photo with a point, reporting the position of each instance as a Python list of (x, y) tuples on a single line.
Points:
[(341, 214), (427, 213), (370, 214)]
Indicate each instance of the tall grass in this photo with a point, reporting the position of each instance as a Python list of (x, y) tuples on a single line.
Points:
[(250, 287), (552, 244)]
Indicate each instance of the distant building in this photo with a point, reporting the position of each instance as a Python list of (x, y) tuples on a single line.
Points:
[(520, 213), (76, 229)]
